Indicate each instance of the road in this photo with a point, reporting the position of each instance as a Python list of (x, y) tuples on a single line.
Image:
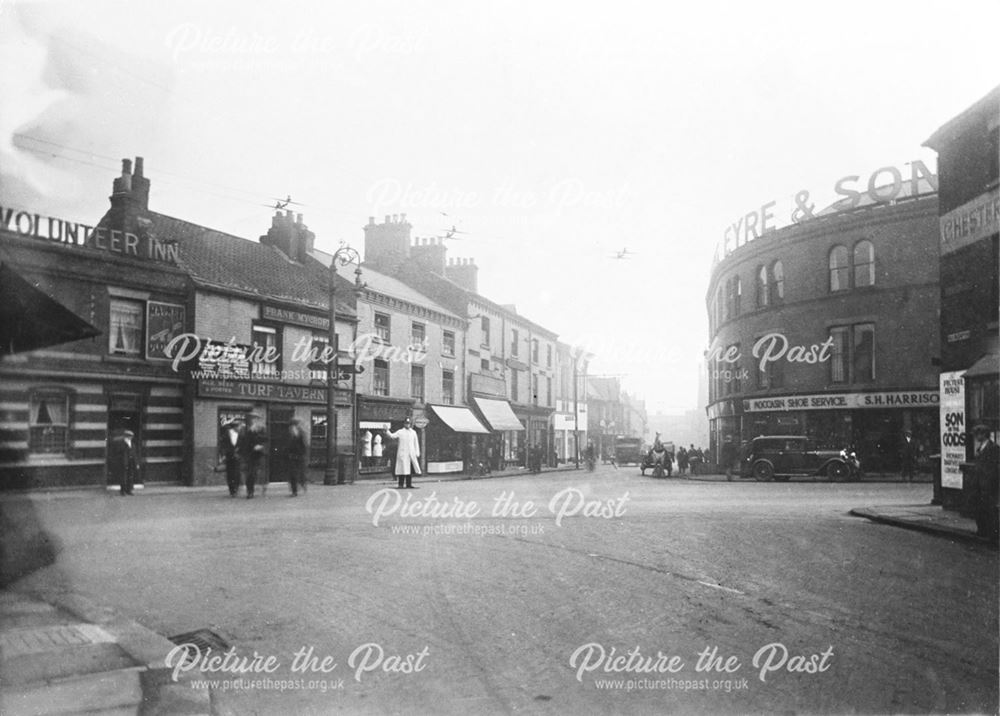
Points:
[(502, 606)]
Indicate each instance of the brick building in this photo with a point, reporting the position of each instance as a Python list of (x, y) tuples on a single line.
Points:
[(827, 328)]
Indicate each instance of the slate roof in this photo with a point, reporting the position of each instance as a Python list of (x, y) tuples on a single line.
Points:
[(220, 260)]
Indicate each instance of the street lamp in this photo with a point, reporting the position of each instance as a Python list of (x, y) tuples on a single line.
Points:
[(343, 256)]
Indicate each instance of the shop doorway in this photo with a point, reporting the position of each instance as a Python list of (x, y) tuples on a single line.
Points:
[(278, 424), (124, 413)]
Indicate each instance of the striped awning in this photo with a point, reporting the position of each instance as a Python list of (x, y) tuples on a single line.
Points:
[(498, 414), (459, 419)]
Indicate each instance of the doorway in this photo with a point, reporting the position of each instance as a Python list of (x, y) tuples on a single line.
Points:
[(278, 423), (124, 413)]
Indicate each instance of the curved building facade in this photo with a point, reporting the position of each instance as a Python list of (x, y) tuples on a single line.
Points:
[(829, 328)]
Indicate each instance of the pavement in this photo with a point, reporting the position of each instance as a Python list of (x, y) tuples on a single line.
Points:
[(60, 653)]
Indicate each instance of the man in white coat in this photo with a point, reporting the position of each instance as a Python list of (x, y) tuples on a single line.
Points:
[(407, 454)]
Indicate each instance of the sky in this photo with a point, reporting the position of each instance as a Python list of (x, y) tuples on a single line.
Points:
[(553, 135)]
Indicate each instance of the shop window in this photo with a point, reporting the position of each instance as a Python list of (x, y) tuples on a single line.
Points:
[(763, 288), (514, 342), (48, 422), (864, 353), (417, 383), (380, 377), (484, 324), (448, 387), (864, 264), (778, 282), (317, 438), (383, 327), (840, 270), (448, 343), (838, 355), (418, 335), (125, 330), (265, 353)]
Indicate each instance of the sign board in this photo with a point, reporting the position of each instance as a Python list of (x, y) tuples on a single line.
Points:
[(298, 318), (953, 432), (972, 221), (250, 390), (164, 322), (825, 401)]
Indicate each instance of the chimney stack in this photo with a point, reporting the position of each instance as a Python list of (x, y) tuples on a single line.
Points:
[(387, 245), (465, 273), (289, 234), (129, 201)]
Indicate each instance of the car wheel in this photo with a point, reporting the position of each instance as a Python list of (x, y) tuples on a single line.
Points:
[(837, 471), (763, 471)]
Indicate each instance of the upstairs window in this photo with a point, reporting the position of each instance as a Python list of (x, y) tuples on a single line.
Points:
[(380, 377), (852, 270), (265, 352), (840, 270), (448, 387), (417, 383), (448, 343), (864, 264), (514, 342), (763, 288), (125, 329), (383, 327), (484, 324), (418, 335), (778, 282)]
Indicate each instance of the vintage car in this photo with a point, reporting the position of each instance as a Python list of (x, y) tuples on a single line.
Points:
[(779, 457), (628, 450)]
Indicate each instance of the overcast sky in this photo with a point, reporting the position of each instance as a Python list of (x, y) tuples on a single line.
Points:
[(554, 134)]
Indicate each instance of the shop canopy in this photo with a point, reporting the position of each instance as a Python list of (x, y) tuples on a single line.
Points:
[(31, 319), (988, 365), (461, 420), (498, 414)]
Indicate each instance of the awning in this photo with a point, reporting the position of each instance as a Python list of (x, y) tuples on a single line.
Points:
[(461, 420), (498, 414), (988, 365), (31, 319)]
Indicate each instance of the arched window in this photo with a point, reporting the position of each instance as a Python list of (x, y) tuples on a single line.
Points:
[(864, 264), (763, 289), (840, 269), (737, 295), (778, 277), (720, 306)]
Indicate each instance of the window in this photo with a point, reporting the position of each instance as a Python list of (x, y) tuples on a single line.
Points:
[(763, 288), (513, 386), (264, 353), (380, 377), (778, 279), (548, 355), (534, 350), (514, 341), (864, 353), (317, 367), (448, 387), (856, 270), (548, 391), (772, 376), (734, 293), (534, 389), (736, 380), (720, 306), (864, 264), (125, 334), (448, 343), (484, 364), (48, 426), (838, 355), (382, 327), (417, 383), (840, 272), (418, 335), (484, 323), (317, 438)]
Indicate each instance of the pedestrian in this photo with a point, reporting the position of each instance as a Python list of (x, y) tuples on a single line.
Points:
[(296, 449), (907, 456), (254, 452), (728, 457), (232, 454), (682, 460), (407, 455), (123, 463), (694, 458), (985, 490)]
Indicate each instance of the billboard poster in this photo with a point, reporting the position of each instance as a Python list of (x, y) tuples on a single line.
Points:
[(953, 429)]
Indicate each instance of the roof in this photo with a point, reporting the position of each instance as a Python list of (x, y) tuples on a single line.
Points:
[(217, 259), (988, 105), (606, 389), (384, 284)]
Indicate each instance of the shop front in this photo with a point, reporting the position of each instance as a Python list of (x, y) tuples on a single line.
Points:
[(377, 417), (874, 424), (506, 428), (455, 440)]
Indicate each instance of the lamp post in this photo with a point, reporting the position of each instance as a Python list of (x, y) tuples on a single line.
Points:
[(343, 256)]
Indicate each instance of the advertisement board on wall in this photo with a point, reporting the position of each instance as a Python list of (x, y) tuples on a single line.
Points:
[(952, 428)]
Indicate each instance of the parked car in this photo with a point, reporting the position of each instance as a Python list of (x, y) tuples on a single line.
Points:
[(780, 457), (628, 450)]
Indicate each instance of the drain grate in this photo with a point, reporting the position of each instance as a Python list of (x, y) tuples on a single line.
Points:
[(203, 639)]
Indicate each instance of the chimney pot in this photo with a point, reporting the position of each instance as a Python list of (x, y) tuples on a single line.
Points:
[(402, 218), (138, 166), (387, 218), (126, 167), (371, 220), (298, 219)]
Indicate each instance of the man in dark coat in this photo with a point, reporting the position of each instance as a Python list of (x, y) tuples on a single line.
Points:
[(908, 456), (985, 471), (123, 462), (253, 448), (296, 448)]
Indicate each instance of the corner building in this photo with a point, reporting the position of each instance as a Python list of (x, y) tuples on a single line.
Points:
[(828, 328)]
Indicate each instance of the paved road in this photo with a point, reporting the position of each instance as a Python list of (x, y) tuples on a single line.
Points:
[(517, 613)]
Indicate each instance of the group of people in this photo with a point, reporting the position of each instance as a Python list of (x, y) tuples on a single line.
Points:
[(244, 453), (689, 459)]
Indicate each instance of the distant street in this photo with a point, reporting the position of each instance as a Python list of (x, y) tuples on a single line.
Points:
[(516, 613)]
